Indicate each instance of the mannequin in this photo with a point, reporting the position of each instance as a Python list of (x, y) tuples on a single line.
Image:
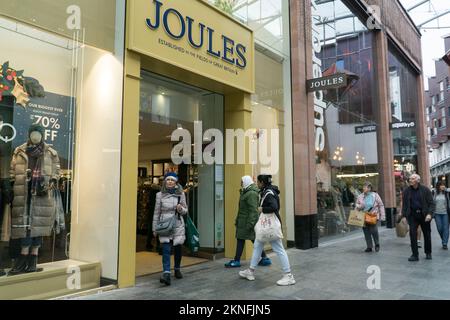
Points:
[(35, 172)]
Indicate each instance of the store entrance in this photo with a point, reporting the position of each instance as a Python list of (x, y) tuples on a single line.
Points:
[(166, 106)]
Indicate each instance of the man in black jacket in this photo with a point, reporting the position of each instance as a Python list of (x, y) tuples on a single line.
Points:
[(418, 208)]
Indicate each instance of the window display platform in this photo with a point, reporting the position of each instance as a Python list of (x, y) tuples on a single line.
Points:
[(52, 282)]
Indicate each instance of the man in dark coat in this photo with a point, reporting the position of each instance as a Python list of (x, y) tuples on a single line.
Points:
[(418, 208)]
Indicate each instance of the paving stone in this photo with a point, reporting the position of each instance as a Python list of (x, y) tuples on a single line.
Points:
[(337, 270)]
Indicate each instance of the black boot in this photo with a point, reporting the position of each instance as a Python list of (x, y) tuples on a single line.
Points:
[(32, 264), (178, 274), (2, 273), (165, 278), (20, 265)]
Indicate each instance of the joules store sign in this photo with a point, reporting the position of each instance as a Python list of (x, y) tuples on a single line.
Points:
[(194, 36)]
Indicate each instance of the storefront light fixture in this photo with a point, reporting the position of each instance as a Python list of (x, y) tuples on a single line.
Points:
[(362, 175)]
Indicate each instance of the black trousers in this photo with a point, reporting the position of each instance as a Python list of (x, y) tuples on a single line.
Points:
[(414, 222), (240, 248)]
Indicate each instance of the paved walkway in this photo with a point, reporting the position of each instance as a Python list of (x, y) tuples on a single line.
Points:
[(337, 270)]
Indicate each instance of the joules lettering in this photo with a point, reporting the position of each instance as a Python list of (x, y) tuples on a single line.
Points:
[(327, 82), (228, 50)]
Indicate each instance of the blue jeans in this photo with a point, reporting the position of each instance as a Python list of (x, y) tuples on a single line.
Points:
[(277, 246), (166, 247), (442, 226)]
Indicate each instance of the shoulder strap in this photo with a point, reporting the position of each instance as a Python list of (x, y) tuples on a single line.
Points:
[(265, 195)]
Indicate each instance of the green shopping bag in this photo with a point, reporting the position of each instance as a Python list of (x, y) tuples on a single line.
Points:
[(192, 236)]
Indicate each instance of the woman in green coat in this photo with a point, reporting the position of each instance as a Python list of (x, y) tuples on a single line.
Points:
[(246, 220)]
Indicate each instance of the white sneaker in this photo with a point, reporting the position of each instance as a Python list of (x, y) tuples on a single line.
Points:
[(287, 280), (247, 274)]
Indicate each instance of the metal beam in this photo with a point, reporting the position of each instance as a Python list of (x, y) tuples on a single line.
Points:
[(434, 18), (417, 5)]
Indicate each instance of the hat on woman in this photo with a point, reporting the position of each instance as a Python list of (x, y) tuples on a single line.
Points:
[(247, 181), (172, 175)]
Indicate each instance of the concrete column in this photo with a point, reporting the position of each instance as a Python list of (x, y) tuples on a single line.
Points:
[(130, 151), (237, 116), (422, 148), (305, 189), (384, 134)]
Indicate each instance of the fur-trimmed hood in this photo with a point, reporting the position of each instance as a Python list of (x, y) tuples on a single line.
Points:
[(178, 192)]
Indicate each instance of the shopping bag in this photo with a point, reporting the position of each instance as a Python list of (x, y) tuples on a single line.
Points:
[(268, 228), (6, 224), (356, 218), (192, 235), (402, 228)]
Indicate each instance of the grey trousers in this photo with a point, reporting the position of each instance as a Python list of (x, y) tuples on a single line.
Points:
[(369, 233)]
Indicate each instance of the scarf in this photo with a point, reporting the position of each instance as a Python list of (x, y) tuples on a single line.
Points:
[(35, 154), (172, 190), (369, 201)]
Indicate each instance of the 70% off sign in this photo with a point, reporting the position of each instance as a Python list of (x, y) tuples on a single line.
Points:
[(50, 124)]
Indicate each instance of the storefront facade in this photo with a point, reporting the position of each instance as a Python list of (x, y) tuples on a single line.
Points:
[(368, 129), (62, 69), (253, 95), (112, 87), (160, 66)]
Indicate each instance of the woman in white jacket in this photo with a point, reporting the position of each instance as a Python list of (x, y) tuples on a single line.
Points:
[(169, 202)]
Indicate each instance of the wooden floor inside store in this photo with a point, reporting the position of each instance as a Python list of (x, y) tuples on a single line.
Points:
[(150, 262)]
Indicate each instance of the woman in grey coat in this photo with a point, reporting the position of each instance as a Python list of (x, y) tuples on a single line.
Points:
[(169, 202)]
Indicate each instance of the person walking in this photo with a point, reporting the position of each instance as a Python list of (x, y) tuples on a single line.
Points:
[(441, 203), (246, 220), (269, 203), (169, 202), (370, 201), (418, 208)]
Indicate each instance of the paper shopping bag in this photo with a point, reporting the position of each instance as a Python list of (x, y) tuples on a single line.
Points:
[(356, 218)]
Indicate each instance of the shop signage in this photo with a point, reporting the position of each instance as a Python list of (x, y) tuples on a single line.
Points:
[(403, 125), (319, 104), (195, 36), (55, 113), (331, 82), (365, 129)]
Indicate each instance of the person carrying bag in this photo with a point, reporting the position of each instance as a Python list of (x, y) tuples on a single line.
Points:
[(370, 202), (268, 229), (168, 225)]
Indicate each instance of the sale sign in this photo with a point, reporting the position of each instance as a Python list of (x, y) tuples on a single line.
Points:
[(56, 114)]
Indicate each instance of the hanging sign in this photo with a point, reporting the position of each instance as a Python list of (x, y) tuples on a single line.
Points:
[(331, 82), (403, 125), (365, 129)]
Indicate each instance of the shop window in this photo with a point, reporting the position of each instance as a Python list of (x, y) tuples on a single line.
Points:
[(60, 107), (347, 160)]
